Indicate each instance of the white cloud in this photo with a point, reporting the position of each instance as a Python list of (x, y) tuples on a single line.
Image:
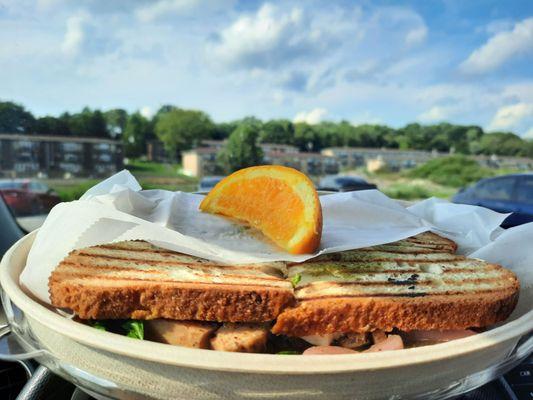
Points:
[(48, 4), (147, 112), (500, 48), (262, 39), (521, 92), (164, 8), (498, 25), (311, 117), (416, 35), (434, 114), (274, 37), (75, 34), (365, 118), (512, 117), (398, 23)]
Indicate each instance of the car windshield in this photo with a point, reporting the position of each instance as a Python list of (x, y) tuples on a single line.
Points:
[(11, 185), (346, 181), (210, 182)]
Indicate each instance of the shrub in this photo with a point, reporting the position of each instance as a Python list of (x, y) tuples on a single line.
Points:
[(74, 192), (455, 171), (407, 192)]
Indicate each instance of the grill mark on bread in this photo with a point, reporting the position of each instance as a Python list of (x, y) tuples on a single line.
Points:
[(180, 264), (69, 271), (178, 258), (150, 248), (426, 282), (83, 278), (361, 255), (392, 295), (354, 271)]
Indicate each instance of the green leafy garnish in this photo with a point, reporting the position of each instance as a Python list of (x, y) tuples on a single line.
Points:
[(99, 325), (134, 329), (296, 279), (288, 353)]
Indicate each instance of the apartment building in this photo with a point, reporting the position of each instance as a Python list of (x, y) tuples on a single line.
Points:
[(201, 161), (55, 156)]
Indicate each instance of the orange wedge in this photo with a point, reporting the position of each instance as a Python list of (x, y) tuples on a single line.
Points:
[(279, 201)]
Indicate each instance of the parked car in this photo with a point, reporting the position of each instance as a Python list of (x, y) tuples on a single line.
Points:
[(344, 183), (506, 194), (28, 197), (208, 182)]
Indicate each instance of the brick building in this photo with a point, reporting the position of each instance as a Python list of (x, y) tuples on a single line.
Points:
[(55, 156)]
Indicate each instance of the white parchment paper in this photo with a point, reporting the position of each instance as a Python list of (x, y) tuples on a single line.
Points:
[(117, 209)]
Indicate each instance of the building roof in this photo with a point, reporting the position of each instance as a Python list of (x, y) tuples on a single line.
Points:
[(51, 138), (201, 150), (379, 149), (296, 155)]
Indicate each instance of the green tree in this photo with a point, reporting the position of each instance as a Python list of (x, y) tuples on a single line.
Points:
[(15, 119), (414, 136), (329, 134), (51, 126), (369, 135), (306, 137), (116, 120), (241, 150), (223, 130), (280, 131), (502, 143), (88, 123), (182, 129), (250, 121), (136, 131)]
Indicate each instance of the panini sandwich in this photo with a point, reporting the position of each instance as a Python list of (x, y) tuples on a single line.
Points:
[(414, 284)]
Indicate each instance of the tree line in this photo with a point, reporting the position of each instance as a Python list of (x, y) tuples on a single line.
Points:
[(181, 129)]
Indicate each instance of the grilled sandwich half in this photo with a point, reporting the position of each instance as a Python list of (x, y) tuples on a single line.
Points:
[(137, 280), (413, 284)]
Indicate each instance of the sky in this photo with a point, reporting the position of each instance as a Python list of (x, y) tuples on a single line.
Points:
[(387, 62)]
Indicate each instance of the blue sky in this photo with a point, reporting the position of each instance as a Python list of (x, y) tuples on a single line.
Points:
[(385, 62)]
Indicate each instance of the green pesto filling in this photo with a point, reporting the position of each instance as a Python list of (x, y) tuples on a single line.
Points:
[(342, 270)]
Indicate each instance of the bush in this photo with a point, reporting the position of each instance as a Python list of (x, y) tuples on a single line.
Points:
[(407, 192), (454, 171), (74, 192)]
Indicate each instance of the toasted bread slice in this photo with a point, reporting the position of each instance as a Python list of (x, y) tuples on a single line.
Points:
[(137, 280), (368, 289)]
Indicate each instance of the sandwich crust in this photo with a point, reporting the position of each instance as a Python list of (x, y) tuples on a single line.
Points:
[(367, 314), (178, 301)]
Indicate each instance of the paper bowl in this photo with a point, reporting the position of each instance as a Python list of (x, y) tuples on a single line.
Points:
[(119, 367)]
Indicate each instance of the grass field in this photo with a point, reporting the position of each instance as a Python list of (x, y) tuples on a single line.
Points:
[(149, 174), (398, 185)]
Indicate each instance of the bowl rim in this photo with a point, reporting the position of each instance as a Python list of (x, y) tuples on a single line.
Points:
[(14, 261)]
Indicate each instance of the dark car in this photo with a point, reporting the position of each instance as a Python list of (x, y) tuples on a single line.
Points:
[(344, 183), (28, 197), (208, 182), (506, 194)]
